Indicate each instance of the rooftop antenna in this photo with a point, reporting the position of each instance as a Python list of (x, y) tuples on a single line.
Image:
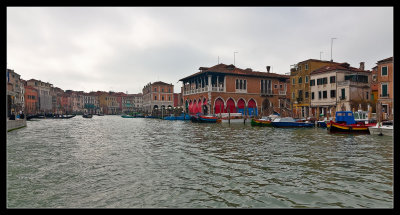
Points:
[(218, 59), (320, 55)]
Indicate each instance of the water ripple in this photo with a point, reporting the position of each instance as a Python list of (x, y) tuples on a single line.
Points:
[(110, 161)]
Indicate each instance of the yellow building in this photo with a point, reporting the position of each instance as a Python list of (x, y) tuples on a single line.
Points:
[(300, 85)]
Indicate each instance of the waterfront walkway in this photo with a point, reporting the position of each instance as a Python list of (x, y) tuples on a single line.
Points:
[(15, 124)]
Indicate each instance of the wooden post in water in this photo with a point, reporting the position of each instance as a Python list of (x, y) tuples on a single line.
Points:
[(229, 115)]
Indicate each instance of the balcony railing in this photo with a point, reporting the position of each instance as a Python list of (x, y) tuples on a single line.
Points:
[(384, 95), (271, 92), (204, 89), (267, 92)]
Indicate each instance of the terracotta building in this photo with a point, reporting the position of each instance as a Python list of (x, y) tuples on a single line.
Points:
[(158, 95), (385, 88), (225, 88)]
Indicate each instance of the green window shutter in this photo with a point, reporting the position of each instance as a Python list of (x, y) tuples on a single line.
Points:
[(384, 70)]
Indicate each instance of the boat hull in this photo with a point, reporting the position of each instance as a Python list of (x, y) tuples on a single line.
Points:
[(292, 124), (385, 131), (232, 120), (341, 127), (262, 123), (182, 117), (127, 116), (204, 119)]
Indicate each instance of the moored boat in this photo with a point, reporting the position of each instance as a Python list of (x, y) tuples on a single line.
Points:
[(232, 118), (345, 122), (289, 122), (261, 122), (127, 116), (379, 129), (87, 115), (181, 117), (204, 119)]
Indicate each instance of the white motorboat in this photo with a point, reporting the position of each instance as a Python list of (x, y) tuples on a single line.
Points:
[(386, 130), (234, 118)]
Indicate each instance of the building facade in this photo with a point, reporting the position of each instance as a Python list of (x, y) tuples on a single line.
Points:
[(15, 92), (31, 100), (339, 88), (385, 88), (225, 88), (300, 85), (158, 95), (45, 98)]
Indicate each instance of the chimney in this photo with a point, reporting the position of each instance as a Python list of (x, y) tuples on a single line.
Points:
[(268, 67), (362, 65)]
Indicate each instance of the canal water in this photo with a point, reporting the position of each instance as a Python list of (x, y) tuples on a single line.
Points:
[(115, 162)]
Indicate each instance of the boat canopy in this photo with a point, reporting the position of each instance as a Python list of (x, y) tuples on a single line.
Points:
[(345, 116)]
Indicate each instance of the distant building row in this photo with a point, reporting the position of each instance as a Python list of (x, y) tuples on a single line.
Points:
[(34, 96)]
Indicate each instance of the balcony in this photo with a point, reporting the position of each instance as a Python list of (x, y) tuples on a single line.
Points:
[(204, 89), (342, 97), (384, 95), (265, 92)]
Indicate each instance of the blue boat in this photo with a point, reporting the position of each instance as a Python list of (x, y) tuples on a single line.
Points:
[(181, 117), (322, 124), (289, 122)]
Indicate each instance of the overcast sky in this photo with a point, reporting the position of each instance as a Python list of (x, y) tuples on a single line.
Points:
[(124, 48)]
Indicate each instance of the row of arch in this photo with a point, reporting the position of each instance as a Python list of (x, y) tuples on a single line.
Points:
[(222, 106)]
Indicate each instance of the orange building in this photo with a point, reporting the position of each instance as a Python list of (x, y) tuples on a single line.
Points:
[(31, 100), (225, 88), (385, 87)]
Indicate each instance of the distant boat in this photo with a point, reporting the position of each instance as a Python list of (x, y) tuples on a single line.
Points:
[(289, 122), (345, 122), (127, 116), (87, 115)]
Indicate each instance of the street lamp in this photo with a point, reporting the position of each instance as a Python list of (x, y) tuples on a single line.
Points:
[(234, 58), (331, 47)]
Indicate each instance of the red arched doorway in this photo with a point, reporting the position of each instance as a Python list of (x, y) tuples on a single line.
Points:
[(230, 106), (199, 106), (194, 106), (241, 106), (190, 107), (218, 106), (252, 107)]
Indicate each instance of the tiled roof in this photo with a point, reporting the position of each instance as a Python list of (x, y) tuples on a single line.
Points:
[(390, 59), (342, 66), (160, 82), (232, 70)]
